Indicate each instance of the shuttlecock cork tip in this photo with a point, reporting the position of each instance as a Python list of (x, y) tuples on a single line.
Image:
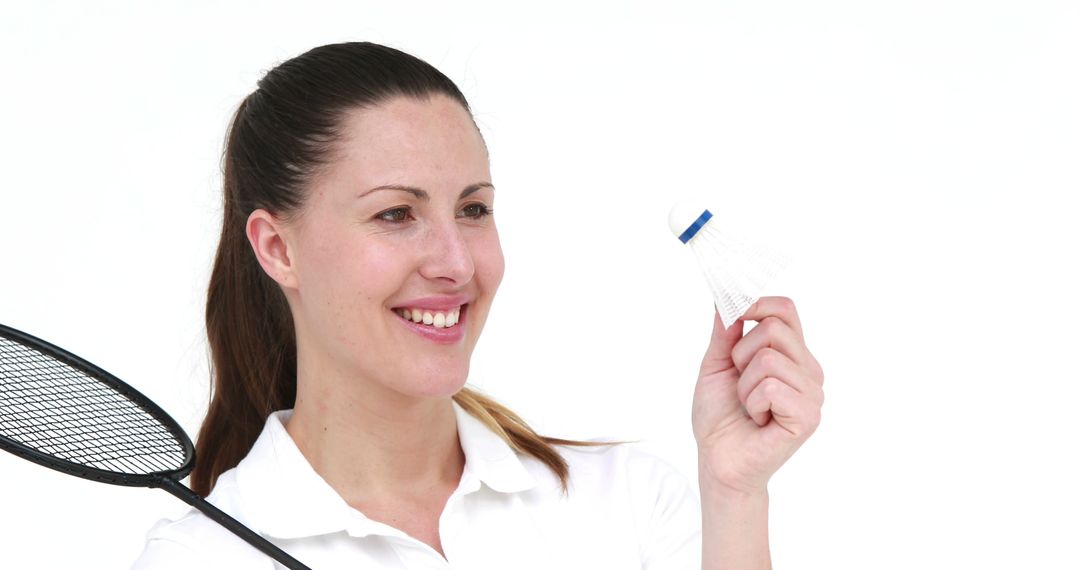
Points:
[(686, 218)]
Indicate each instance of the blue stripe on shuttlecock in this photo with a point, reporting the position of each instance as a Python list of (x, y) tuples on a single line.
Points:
[(695, 227)]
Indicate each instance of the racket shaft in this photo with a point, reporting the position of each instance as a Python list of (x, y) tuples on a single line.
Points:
[(220, 517)]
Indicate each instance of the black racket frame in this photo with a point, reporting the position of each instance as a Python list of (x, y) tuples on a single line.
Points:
[(86, 472), (167, 480)]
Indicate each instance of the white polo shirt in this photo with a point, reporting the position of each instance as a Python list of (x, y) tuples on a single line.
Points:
[(626, 509)]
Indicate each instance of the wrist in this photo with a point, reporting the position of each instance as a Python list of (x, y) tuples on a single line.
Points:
[(716, 491), (730, 490), (722, 486)]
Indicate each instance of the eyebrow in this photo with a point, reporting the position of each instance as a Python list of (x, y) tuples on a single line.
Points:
[(422, 194)]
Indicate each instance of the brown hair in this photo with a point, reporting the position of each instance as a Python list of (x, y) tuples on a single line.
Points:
[(279, 137)]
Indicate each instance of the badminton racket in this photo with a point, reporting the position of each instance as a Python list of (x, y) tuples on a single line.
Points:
[(63, 412)]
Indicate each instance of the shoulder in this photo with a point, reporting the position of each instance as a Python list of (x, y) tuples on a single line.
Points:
[(618, 478), (642, 472), (629, 490), (194, 540)]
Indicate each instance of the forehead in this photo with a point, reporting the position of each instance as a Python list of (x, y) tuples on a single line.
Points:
[(408, 140)]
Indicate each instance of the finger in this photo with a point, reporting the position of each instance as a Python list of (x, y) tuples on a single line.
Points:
[(780, 307), (775, 334), (769, 363), (718, 355), (791, 411)]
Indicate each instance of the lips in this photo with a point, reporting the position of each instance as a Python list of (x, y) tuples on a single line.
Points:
[(430, 317), (436, 318)]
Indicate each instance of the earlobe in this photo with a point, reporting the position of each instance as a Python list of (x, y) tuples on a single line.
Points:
[(264, 233)]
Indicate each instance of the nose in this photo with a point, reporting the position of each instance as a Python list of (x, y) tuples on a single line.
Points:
[(448, 256)]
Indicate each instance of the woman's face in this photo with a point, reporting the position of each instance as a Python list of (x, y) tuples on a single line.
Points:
[(394, 231)]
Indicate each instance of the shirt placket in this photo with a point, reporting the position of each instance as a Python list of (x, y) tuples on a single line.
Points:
[(416, 554), (454, 519)]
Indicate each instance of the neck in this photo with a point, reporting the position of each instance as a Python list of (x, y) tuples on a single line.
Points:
[(369, 443)]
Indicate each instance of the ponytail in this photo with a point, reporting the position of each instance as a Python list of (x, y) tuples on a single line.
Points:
[(518, 435), (252, 346)]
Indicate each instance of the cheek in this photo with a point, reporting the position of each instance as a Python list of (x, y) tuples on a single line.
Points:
[(356, 271), (489, 261), (378, 271)]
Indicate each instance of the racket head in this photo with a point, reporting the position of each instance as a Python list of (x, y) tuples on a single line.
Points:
[(63, 412)]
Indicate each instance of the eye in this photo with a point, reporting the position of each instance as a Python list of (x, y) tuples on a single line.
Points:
[(476, 211), (399, 214)]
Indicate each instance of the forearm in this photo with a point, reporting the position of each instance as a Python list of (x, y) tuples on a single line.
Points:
[(734, 529)]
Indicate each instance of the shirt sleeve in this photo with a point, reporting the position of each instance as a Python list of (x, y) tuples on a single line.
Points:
[(671, 511)]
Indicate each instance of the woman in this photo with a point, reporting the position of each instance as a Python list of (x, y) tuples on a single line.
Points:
[(357, 264)]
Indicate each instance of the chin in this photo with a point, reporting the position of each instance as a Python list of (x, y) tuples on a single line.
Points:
[(439, 383)]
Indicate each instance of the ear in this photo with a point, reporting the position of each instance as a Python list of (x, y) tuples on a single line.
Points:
[(265, 233)]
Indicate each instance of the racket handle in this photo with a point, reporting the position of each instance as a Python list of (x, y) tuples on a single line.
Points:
[(219, 516)]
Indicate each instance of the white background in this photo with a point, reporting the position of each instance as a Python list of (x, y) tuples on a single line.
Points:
[(919, 158)]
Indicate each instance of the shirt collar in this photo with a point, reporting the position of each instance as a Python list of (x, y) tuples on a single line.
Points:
[(488, 457), (283, 496)]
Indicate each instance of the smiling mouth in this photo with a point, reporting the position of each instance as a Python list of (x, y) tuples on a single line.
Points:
[(436, 319)]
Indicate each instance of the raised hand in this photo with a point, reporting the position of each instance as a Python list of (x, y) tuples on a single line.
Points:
[(758, 397)]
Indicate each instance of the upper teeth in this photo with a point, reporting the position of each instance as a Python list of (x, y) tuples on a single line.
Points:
[(437, 319)]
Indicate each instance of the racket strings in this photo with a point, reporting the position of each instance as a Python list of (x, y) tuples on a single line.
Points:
[(56, 409)]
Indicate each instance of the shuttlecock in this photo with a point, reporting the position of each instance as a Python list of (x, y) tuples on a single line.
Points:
[(737, 272)]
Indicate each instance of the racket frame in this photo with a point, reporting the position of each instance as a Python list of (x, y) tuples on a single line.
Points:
[(167, 480), (97, 373)]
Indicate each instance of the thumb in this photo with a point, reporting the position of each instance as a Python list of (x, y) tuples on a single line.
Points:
[(718, 355)]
